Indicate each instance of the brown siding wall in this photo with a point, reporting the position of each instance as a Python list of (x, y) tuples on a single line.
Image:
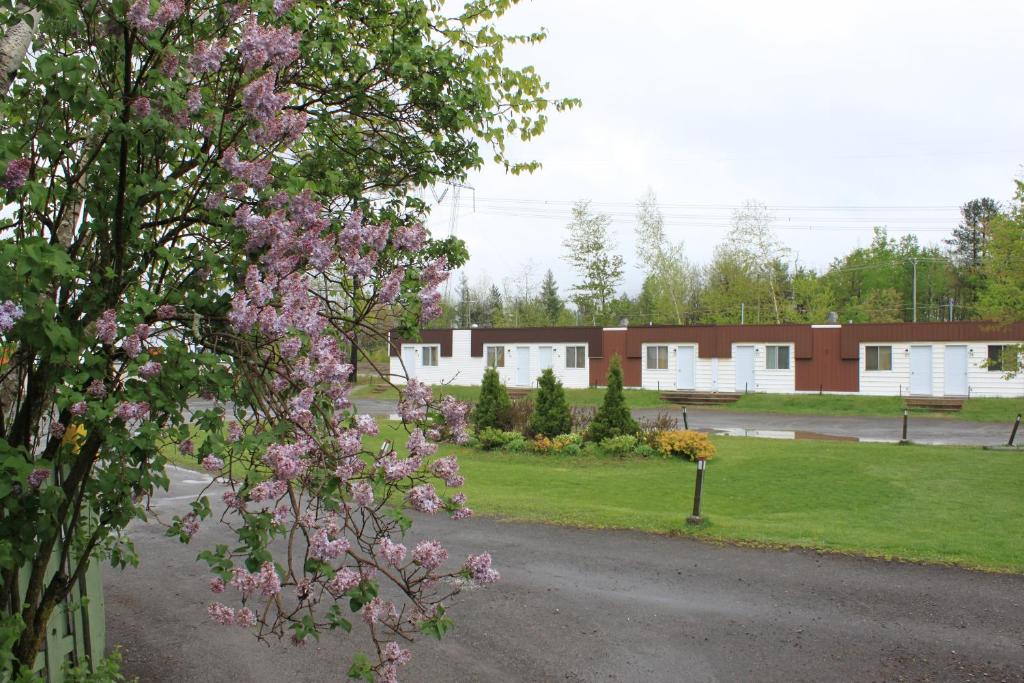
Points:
[(614, 344), (702, 335), (715, 341), (854, 335), (824, 369), (535, 335), (440, 337)]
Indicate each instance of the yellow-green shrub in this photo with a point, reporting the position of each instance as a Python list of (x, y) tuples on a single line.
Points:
[(686, 444)]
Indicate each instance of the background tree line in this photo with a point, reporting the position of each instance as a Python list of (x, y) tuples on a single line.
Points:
[(753, 276)]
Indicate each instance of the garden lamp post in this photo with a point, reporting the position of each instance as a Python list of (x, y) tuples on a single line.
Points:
[(695, 518)]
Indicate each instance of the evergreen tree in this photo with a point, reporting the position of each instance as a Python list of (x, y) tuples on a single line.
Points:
[(494, 409), (551, 413), (613, 417), (493, 308), (552, 303)]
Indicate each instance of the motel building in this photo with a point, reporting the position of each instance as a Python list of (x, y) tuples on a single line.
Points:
[(955, 359)]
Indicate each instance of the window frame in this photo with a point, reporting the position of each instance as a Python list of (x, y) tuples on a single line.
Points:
[(657, 349), (498, 353), (769, 356), (578, 352), (433, 351), (878, 356), (996, 364)]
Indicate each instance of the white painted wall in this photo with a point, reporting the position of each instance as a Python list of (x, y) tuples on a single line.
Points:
[(465, 370), (980, 380), (774, 381)]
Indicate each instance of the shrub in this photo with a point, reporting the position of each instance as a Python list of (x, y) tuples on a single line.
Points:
[(623, 444), (563, 441), (491, 438), (551, 416), (493, 409), (645, 450), (652, 427), (519, 413), (613, 417), (559, 444), (686, 444), (582, 417)]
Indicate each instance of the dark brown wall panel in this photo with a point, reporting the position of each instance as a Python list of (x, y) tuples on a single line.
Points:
[(702, 335), (715, 341), (535, 335), (825, 370), (854, 335), (614, 344), (440, 337)]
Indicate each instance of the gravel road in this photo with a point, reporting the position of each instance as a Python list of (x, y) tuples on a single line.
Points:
[(588, 605)]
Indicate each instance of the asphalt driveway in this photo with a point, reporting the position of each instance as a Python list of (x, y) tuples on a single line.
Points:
[(587, 605)]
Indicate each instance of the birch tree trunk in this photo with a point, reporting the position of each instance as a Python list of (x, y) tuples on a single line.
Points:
[(14, 46)]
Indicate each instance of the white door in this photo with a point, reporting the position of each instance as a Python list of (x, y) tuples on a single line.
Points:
[(921, 370), (744, 358), (684, 367), (523, 366), (714, 374), (545, 358), (409, 360), (956, 371)]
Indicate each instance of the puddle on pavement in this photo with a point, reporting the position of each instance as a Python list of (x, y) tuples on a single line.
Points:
[(787, 434)]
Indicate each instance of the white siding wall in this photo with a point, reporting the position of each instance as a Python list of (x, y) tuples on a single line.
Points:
[(774, 381), (980, 380), (463, 369)]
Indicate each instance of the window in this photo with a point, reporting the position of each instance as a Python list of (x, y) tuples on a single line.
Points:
[(429, 356), (657, 358), (575, 356), (878, 358), (495, 356), (776, 357), (1000, 358)]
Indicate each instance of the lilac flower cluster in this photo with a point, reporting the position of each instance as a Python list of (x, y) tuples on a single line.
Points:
[(429, 554), (479, 569), (127, 410), (141, 107), (286, 460), (10, 313), (447, 469), (345, 579), (423, 498), (379, 609), (261, 45), (255, 173), (430, 296), (213, 464), (268, 490), (150, 369), (96, 389), (265, 581), (16, 174), (393, 657), (418, 444), (456, 418), (415, 399), (362, 493), (106, 327), (393, 553), (323, 547), (138, 15), (37, 477)]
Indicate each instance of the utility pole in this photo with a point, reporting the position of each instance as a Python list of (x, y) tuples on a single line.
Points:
[(951, 309), (914, 261), (743, 313)]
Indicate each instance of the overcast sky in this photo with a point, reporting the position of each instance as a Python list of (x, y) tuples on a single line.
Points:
[(838, 116)]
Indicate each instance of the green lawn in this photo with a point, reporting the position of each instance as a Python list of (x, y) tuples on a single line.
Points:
[(937, 504), (950, 505)]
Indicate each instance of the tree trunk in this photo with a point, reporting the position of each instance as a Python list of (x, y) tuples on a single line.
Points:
[(14, 46)]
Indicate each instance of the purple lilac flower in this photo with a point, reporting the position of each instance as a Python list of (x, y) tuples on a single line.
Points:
[(216, 585), (345, 579), (410, 238), (132, 346), (127, 411), (255, 173), (212, 463), (245, 618), (166, 312), (235, 432), (367, 425), (394, 553), (322, 547), (38, 476), (190, 525), (413, 406), (418, 444), (96, 389), (141, 107), (423, 498), (138, 17), (10, 312), (16, 174), (168, 12), (79, 409), (150, 369), (56, 429), (429, 554), (259, 98), (222, 614), (207, 56), (260, 45), (187, 447), (106, 327), (479, 568), (362, 493), (448, 469)]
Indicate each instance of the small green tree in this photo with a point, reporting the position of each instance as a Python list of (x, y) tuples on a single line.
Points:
[(494, 409), (613, 417), (551, 415)]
